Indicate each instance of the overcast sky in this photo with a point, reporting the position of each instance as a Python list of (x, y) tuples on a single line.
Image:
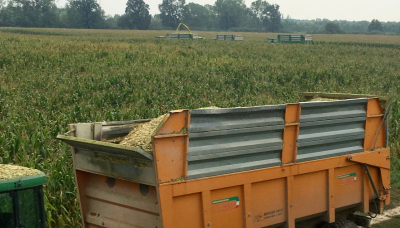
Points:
[(351, 10)]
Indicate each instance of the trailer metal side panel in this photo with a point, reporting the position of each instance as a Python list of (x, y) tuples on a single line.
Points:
[(112, 160), (259, 167), (272, 196), (329, 129), (111, 202), (232, 140), (230, 37)]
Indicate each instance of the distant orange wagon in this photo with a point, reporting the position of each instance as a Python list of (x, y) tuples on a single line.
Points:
[(290, 165)]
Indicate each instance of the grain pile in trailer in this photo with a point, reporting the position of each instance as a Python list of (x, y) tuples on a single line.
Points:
[(8, 172), (140, 136)]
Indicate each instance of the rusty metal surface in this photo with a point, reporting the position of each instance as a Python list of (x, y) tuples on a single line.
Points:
[(231, 140), (329, 129)]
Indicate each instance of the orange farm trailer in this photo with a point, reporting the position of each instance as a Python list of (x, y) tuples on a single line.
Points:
[(290, 165)]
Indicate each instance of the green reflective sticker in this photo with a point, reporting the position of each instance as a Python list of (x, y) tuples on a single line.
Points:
[(235, 198), (226, 204), (348, 175), (348, 178)]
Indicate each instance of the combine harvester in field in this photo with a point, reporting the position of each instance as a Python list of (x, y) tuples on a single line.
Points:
[(291, 165), (182, 35), (21, 197)]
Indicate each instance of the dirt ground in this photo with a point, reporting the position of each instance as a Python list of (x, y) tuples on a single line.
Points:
[(391, 217)]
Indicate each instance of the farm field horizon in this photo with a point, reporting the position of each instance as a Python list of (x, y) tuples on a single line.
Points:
[(104, 34), (50, 78)]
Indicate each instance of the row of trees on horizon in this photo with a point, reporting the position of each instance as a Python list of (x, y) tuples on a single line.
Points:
[(226, 15)]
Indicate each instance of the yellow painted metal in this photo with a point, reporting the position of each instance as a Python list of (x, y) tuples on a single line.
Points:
[(179, 26)]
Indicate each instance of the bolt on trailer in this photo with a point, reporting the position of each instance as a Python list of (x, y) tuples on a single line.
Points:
[(21, 197), (289, 165)]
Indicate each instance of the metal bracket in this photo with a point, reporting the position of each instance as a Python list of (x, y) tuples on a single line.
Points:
[(379, 158), (382, 198)]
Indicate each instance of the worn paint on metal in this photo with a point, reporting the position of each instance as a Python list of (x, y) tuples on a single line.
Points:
[(113, 160)]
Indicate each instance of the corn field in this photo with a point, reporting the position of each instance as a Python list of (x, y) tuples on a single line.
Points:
[(52, 77)]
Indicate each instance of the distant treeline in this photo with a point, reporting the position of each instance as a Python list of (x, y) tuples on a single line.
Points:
[(224, 15), (323, 26)]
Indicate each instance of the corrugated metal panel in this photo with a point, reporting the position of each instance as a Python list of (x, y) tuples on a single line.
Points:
[(296, 38), (173, 36), (184, 36), (308, 38), (229, 37), (180, 36), (329, 129), (284, 37), (239, 37), (232, 140)]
